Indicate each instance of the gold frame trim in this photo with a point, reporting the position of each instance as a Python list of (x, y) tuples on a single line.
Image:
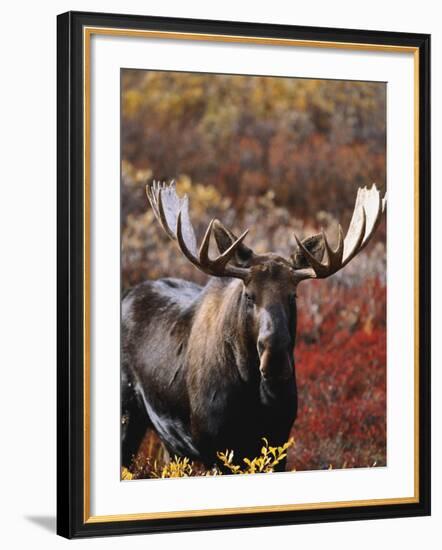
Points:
[(87, 34)]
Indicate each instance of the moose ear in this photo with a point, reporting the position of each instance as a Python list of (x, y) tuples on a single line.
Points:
[(315, 245), (225, 238)]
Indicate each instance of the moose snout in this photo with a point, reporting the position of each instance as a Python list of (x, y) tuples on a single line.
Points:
[(273, 346), (276, 365), (273, 331)]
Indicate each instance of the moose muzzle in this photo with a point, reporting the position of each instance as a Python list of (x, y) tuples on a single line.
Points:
[(274, 345)]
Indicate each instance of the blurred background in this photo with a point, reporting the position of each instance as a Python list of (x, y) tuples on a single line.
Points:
[(274, 155)]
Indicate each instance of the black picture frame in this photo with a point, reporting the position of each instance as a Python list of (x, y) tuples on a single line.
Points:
[(71, 518)]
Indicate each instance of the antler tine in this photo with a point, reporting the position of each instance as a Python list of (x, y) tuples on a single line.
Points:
[(154, 195), (356, 233), (218, 266), (161, 210), (317, 266), (367, 214), (227, 255), (151, 196), (334, 256), (205, 243), (374, 206)]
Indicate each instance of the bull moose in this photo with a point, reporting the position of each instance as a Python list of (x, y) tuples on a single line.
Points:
[(211, 367)]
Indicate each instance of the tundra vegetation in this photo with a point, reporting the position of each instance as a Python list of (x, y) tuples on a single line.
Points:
[(277, 156)]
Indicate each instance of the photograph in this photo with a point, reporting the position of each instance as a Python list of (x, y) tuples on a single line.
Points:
[(253, 274)]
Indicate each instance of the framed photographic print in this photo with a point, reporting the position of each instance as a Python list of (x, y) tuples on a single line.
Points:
[(243, 322)]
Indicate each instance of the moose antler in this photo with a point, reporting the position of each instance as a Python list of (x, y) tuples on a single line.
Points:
[(367, 213), (172, 212)]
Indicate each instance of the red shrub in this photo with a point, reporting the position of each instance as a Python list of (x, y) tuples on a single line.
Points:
[(341, 374)]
